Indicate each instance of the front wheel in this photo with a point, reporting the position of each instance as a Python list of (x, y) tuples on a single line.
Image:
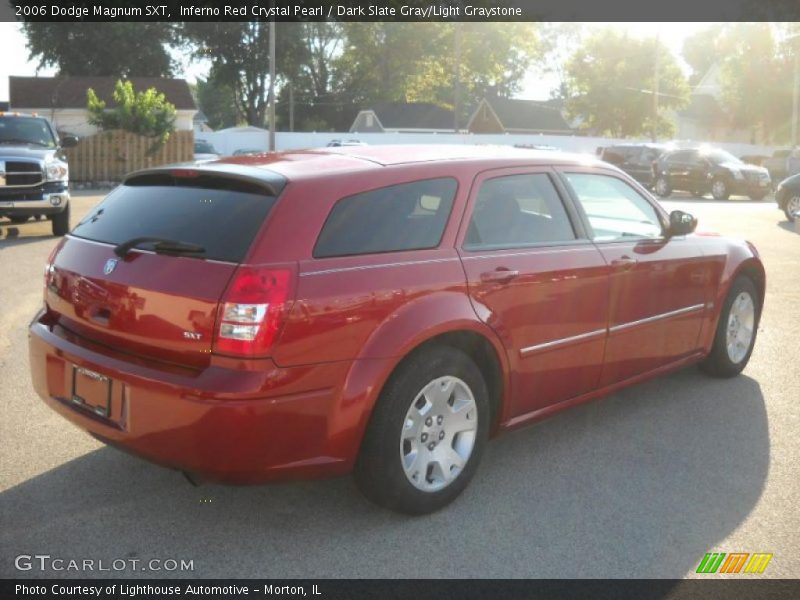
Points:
[(662, 188), (60, 222), (719, 189), (792, 208), (736, 330), (427, 433)]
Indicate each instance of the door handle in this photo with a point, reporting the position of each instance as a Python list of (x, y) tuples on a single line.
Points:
[(500, 275), (624, 262)]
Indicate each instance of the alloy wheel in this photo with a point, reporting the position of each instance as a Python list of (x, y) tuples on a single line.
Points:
[(793, 206), (741, 325), (439, 433)]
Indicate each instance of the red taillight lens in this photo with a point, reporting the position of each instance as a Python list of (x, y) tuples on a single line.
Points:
[(49, 269), (253, 310)]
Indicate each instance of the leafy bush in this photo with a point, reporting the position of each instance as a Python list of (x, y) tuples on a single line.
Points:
[(145, 113)]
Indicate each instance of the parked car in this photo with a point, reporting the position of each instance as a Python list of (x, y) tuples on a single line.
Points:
[(247, 151), (783, 163), (381, 310), (338, 143), (205, 151), (635, 159), (34, 174), (704, 170), (787, 195)]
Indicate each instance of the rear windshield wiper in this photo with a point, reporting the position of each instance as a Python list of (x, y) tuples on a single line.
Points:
[(160, 246)]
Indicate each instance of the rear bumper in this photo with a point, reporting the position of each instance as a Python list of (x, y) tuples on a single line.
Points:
[(240, 424)]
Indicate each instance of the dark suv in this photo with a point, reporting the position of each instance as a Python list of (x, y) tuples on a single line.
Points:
[(34, 176), (635, 159), (701, 170)]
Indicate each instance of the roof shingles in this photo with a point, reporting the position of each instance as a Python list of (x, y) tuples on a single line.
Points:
[(70, 92)]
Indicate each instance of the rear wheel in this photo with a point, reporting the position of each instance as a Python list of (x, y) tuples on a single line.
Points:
[(736, 331), (792, 207), (427, 433), (719, 189), (61, 222), (662, 187)]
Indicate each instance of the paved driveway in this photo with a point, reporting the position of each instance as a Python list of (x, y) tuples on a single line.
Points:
[(640, 484)]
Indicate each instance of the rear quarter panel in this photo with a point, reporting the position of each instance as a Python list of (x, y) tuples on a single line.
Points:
[(370, 309)]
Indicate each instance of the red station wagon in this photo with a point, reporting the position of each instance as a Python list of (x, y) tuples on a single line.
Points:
[(381, 310)]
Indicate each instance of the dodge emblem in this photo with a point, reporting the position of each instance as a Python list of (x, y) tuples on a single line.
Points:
[(110, 265)]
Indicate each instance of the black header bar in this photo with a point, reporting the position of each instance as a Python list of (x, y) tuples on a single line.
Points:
[(400, 10)]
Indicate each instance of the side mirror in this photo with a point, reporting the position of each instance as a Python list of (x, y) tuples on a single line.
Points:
[(681, 223), (69, 141)]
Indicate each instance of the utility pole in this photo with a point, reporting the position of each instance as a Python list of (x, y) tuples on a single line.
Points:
[(795, 94), (291, 107), (457, 77), (656, 77), (272, 81)]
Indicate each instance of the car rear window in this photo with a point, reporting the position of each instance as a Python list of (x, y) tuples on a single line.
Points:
[(223, 221), (408, 216)]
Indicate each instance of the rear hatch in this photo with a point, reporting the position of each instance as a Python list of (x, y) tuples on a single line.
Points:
[(159, 298)]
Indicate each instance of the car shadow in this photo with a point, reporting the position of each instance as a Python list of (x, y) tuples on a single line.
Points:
[(639, 484), (788, 226)]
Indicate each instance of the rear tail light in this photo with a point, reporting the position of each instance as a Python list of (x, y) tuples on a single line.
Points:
[(253, 311), (49, 269)]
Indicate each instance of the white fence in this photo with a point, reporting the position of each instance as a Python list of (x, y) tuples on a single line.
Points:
[(227, 143)]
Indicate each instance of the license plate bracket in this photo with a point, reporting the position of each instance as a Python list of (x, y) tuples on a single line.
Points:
[(91, 391)]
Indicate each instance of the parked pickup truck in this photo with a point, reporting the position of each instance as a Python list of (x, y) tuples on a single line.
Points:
[(34, 176)]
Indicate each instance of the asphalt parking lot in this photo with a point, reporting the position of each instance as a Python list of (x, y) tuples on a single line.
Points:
[(640, 484)]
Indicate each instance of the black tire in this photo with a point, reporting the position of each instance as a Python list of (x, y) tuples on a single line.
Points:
[(719, 189), (61, 222), (792, 203), (662, 188), (379, 472), (18, 219), (718, 363)]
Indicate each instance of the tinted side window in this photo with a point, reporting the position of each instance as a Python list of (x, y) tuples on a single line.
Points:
[(681, 157), (614, 209), (649, 155), (515, 211), (409, 216)]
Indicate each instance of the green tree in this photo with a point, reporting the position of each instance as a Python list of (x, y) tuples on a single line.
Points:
[(702, 50), (416, 62), (102, 49), (558, 42), (145, 113), (239, 56), (310, 78), (218, 103), (755, 81), (610, 82)]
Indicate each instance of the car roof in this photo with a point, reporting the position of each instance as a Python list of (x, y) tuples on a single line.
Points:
[(300, 164)]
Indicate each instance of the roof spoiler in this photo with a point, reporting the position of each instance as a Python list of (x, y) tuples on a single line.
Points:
[(211, 175)]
